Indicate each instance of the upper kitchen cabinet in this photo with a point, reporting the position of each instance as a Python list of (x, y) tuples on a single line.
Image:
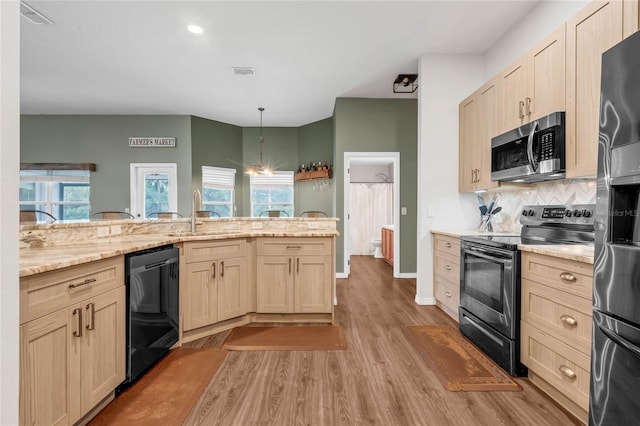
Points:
[(478, 124), (534, 85), (593, 30)]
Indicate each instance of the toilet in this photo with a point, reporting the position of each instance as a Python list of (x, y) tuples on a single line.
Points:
[(377, 245)]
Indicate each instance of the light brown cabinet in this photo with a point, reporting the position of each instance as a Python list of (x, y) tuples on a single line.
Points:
[(387, 245), (478, 124), (214, 282), (446, 273), (71, 358), (556, 328), (294, 275), (534, 85), (593, 30)]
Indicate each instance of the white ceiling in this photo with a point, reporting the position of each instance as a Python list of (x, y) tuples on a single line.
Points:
[(137, 57)]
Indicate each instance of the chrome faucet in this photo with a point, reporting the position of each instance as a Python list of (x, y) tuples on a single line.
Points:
[(196, 204)]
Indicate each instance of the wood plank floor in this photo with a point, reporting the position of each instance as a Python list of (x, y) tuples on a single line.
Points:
[(379, 380)]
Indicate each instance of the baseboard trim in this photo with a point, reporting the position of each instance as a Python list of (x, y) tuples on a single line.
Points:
[(425, 300), (408, 275), (341, 275)]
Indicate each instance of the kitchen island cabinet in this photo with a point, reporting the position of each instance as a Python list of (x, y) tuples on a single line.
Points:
[(294, 275), (71, 357)]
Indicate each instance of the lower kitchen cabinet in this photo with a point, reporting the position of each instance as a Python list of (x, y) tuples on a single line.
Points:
[(71, 359), (214, 282), (294, 275), (446, 273), (556, 320)]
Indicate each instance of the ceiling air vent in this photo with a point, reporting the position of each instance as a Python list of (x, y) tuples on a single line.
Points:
[(243, 70), (33, 15)]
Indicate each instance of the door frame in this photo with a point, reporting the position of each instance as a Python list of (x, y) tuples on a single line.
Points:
[(393, 158), (170, 168)]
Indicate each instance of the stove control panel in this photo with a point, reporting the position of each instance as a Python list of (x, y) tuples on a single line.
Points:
[(575, 214)]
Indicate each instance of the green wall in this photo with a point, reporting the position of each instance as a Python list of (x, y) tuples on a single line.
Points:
[(220, 145), (380, 125), (104, 140), (316, 144)]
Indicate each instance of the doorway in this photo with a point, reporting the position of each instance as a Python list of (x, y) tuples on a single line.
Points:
[(387, 164), (154, 188)]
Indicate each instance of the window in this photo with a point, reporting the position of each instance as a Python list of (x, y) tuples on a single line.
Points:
[(272, 193), (218, 190), (62, 193)]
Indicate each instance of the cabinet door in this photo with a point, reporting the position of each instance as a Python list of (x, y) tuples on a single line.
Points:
[(103, 347), (231, 288), (313, 284), (513, 82), (489, 124), (546, 76), (593, 30), (49, 370), (199, 295), (275, 284), (468, 144)]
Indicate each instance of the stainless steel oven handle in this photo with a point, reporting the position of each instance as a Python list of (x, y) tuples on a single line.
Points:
[(483, 255)]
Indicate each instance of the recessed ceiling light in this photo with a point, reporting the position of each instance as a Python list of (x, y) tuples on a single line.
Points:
[(196, 29)]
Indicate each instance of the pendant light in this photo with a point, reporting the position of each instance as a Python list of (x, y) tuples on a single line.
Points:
[(259, 169)]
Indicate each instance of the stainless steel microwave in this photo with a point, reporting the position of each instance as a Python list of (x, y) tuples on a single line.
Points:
[(531, 153)]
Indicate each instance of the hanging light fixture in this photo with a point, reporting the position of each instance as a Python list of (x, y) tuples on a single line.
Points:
[(259, 169)]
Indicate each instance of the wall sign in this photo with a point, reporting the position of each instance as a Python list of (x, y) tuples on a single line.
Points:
[(152, 142)]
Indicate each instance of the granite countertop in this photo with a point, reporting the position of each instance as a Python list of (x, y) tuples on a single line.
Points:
[(36, 260), (577, 252)]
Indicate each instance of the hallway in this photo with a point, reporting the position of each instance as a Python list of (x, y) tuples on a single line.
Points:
[(380, 379)]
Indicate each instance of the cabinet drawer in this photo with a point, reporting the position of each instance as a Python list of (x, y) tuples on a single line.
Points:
[(44, 293), (448, 294), (561, 366), (198, 251), (294, 246), (447, 244), (566, 275), (447, 266), (565, 316)]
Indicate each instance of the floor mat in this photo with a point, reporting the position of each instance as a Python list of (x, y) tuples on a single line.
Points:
[(166, 394), (286, 338), (457, 363)]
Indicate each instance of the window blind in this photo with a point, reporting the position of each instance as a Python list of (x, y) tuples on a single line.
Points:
[(218, 177), (279, 179), (69, 176)]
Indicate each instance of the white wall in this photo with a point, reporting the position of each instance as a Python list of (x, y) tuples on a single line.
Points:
[(9, 159), (541, 20), (445, 80)]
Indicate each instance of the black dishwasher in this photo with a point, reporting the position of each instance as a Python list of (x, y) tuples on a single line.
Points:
[(152, 307)]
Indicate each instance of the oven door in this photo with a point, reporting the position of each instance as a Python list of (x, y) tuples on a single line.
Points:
[(489, 286)]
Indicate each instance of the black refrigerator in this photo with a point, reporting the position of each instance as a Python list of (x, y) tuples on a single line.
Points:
[(615, 357)]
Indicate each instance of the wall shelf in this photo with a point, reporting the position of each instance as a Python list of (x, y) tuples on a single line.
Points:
[(317, 174)]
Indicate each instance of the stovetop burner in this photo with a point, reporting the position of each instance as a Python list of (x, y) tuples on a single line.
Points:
[(544, 225)]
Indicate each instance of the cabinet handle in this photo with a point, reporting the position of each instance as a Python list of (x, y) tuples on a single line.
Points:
[(213, 269), (222, 269), (528, 106), (289, 265), (91, 325), (568, 277), (78, 331), (477, 175), (85, 282), (567, 319), (447, 293), (447, 244), (298, 265), (448, 267), (567, 371), (520, 109), (293, 247)]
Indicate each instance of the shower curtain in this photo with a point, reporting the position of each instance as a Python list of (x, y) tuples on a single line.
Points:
[(371, 208)]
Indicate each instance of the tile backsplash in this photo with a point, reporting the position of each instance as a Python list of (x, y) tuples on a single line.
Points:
[(513, 198)]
